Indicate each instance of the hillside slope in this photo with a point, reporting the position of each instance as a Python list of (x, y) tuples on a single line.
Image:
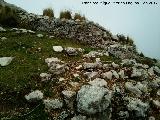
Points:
[(73, 70)]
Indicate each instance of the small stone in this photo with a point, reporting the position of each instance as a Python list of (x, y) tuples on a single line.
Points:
[(98, 82), (58, 48), (91, 74), (157, 70), (39, 35), (74, 84), (138, 106), (121, 74), (151, 118), (80, 50), (90, 65), (129, 86), (158, 92), (61, 79), (35, 95), (136, 72), (32, 32), (115, 65), (76, 75), (53, 104), (115, 74), (3, 38), (45, 76), (107, 75), (79, 117), (123, 114), (4, 61), (51, 60), (79, 67), (57, 69), (2, 29), (151, 71), (98, 60), (69, 98), (71, 51), (156, 103)]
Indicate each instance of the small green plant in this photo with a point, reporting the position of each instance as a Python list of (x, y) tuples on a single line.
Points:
[(65, 14), (48, 12), (125, 40), (79, 17)]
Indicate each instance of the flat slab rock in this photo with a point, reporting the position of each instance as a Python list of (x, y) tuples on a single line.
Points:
[(4, 61), (58, 48)]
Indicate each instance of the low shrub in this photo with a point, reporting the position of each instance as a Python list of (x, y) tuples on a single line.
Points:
[(125, 40), (79, 17), (65, 14), (8, 16), (48, 12)]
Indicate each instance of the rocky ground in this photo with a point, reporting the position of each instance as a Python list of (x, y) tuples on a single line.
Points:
[(74, 70), (72, 81)]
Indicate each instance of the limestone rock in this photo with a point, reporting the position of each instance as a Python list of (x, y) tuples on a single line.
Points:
[(79, 117), (53, 104), (115, 74), (151, 71), (91, 65), (2, 29), (98, 82), (129, 86), (107, 75), (156, 103), (69, 98), (157, 70), (34, 96), (51, 60), (57, 69), (71, 51), (115, 65), (136, 72), (58, 48), (4, 61), (138, 106), (39, 35), (93, 99), (91, 74), (45, 76), (3, 38), (121, 74)]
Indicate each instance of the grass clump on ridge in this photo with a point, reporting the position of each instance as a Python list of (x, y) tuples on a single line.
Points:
[(65, 14), (79, 17), (48, 12), (7, 16)]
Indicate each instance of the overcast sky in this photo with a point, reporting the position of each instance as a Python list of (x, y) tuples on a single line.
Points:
[(141, 22)]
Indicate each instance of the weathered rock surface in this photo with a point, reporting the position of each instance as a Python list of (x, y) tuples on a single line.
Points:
[(93, 99), (4, 61), (58, 48), (53, 104), (34, 96)]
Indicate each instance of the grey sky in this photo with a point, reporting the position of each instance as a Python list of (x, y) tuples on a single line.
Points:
[(141, 22)]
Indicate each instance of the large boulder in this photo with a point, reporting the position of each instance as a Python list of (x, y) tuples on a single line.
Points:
[(137, 106), (93, 99)]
